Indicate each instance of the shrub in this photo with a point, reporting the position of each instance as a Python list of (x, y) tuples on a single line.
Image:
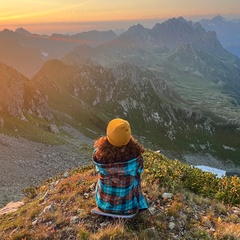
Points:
[(172, 174)]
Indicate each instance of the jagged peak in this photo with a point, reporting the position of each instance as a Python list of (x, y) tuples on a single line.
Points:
[(198, 27), (22, 31), (174, 21), (218, 18), (137, 32), (179, 19), (136, 28), (7, 31)]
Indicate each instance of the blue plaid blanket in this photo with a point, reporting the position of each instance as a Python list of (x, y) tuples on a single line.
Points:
[(118, 189)]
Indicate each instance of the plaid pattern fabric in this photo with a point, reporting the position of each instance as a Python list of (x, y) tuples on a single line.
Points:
[(118, 189)]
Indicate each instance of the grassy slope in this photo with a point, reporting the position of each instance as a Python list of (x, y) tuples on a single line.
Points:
[(40, 127), (60, 207)]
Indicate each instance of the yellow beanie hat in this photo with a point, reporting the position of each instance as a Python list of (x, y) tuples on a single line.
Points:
[(118, 132)]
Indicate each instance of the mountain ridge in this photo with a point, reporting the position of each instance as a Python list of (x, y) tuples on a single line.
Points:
[(27, 52), (16, 91), (227, 31), (219, 66)]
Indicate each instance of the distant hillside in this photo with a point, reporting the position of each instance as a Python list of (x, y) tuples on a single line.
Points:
[(92, 94), (184, 203), (26, 52), (228, 32), (18, 98), (190, 61), (95, 37), (151, 49)]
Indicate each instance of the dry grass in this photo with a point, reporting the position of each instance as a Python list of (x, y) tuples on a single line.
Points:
[(60, 209)]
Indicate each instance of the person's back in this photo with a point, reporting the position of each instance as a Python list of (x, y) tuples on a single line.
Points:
[(119, 164)]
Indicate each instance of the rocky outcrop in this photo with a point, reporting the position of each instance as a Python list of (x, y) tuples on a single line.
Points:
[(11, 207), (18, 97)]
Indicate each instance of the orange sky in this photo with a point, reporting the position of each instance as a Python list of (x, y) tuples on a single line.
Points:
[(76, 15)]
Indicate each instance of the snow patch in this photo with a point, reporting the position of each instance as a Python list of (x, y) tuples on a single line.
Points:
[(44, 54), (156, 116), (198, 73), (229, 148), (219, 172)]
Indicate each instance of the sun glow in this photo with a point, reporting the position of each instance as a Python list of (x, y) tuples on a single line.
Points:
[(41, 12)]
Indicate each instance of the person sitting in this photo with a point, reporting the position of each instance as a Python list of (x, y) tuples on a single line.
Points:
[(119, 163)]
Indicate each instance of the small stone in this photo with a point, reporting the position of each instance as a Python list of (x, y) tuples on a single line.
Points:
[(149, 201), (171, 225), (34, 222), (208, 223), (92, 187), (103, 224), (195, 216), (167, 195), (66, 175), (54, 184), (44, 197), (11, 207), (75, 219), (80, 181), (49, 208), (49, 223), (212, 229), (53, 128), (151, 233), (86, 195), (236, 210), (152, 210), (79, 211)]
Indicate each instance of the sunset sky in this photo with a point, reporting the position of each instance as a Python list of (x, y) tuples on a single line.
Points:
[(46, 16)]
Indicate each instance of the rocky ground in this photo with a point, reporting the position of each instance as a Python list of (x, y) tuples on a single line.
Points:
[(24, 163)]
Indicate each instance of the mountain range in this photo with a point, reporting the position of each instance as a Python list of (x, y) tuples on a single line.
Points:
[(175, 83), (227, 32), (26, 52)]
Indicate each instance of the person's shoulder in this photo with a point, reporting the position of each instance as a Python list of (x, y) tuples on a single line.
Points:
[(136, 158)]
